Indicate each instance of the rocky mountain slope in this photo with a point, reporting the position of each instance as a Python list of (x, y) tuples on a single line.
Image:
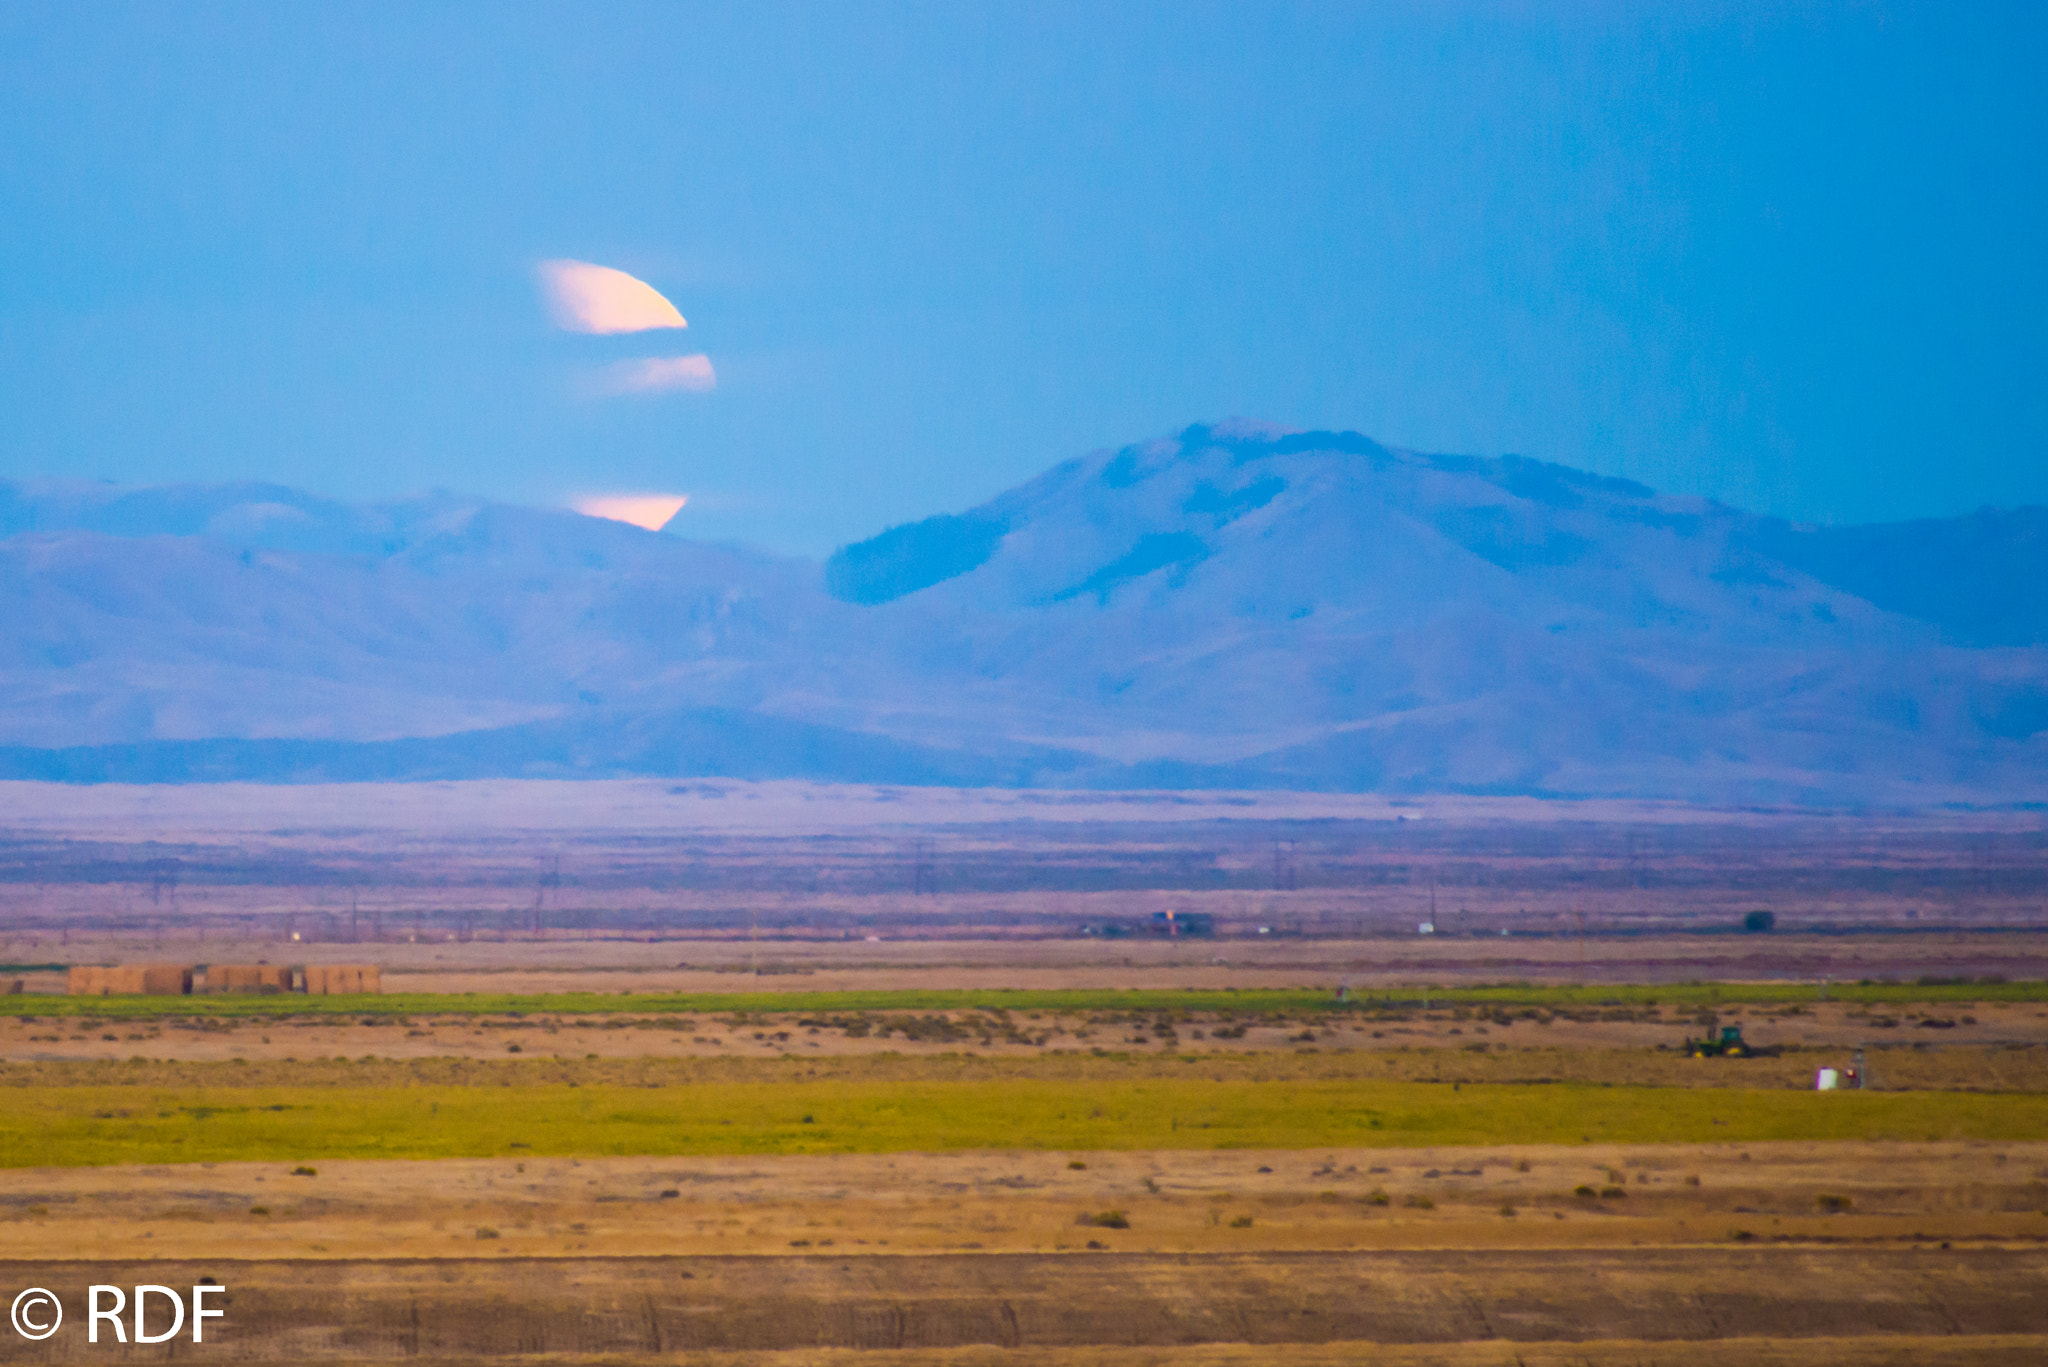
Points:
[(1237, 606)]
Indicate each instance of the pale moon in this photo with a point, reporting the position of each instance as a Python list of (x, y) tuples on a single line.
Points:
[(586, 298), (651, 511)]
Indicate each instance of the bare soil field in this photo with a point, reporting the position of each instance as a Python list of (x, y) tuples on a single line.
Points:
[(678, 1308), (1805, 1253), (1871, 1350), (1955, 1044), (553, 962), (1172, 1202)]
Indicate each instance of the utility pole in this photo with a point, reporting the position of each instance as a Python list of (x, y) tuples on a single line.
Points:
[(921, 871), (551, 879)]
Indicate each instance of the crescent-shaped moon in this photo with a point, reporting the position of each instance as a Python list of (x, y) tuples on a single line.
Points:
[(597, 299)]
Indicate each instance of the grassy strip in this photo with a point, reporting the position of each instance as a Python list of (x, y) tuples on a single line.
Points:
[(1255, 1001), (89, 1126)]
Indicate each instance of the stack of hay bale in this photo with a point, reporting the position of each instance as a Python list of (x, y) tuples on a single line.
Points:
[(337, 979), (151, 980), (172, 980), (248, 978)]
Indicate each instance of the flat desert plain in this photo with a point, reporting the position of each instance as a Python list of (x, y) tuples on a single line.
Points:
[(1793, 1253), (731, 1073), (1384, 1182)]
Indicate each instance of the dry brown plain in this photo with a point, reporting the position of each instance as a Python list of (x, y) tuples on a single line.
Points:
[(1910, 1045), (1791, 1253), (1476, 1256), (517, 861), (789, 964), (1922, 1253)]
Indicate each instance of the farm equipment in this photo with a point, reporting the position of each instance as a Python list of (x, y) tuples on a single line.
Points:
[(1728, 1045)]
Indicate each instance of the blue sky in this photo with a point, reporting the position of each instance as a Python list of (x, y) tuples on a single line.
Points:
[(1787, 256)]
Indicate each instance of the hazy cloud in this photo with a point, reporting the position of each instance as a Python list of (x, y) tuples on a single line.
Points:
[(659, 375)]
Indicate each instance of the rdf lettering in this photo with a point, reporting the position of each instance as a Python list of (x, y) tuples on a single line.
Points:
[(200, 1314), (95, 1314), (177, 1303)]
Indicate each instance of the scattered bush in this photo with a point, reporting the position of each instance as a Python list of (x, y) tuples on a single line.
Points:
[(1833, 1205)]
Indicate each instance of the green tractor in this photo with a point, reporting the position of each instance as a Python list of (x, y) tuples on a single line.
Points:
[(1729, 1045)]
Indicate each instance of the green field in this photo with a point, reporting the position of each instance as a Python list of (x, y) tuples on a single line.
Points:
[(1255, 1001), (91, 1125)]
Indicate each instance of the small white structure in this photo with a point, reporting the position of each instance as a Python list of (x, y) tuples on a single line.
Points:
[(1826, 1080), (1425, 928)]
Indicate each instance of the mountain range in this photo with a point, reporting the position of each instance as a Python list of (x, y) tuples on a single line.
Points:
[(1233, 606)]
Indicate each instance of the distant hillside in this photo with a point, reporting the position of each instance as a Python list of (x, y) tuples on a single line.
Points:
[(1234, 606), (1983, 579)]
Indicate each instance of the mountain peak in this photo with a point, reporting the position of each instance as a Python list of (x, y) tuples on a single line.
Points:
[(1237, 604)]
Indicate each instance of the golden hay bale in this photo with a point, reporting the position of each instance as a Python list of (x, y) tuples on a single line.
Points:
[(248, 978), (336, 979), (157, 980)]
